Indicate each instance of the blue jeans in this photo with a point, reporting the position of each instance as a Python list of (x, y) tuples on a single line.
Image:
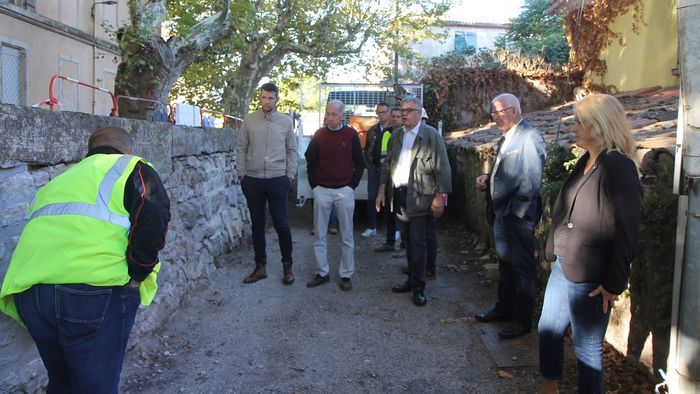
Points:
[(567, 303), (515, 247), (81, 333), (258, 192), (372, 191)]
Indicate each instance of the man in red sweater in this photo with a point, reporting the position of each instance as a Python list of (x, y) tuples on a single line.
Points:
[(334, 164)]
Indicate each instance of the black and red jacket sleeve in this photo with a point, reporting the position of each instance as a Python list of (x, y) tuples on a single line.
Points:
[(149, 213)]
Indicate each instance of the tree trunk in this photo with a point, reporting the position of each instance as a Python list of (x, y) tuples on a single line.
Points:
[(146, 72), (243, 82), (150, 65)]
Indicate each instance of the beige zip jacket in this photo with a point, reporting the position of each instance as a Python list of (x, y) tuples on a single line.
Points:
[(267, 146)]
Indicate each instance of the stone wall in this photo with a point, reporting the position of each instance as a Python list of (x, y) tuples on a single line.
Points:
[(209, 214)]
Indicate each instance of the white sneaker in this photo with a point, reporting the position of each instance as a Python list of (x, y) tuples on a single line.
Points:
[(370, 232)]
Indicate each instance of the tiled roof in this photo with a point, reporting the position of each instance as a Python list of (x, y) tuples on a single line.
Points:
[(652, 113)]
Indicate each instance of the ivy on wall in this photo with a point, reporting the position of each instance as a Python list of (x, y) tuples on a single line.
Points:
[(590, 34)]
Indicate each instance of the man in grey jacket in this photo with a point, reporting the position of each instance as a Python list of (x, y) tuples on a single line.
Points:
[(418, 170), (514, 207), (267, 166)]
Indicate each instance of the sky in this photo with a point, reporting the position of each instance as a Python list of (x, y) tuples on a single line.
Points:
[(492, 11)]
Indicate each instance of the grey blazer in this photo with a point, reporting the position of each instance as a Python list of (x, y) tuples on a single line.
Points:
[(430, 169), (516, 183)]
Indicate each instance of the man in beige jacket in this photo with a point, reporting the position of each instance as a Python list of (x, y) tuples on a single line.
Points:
[(267, 166)]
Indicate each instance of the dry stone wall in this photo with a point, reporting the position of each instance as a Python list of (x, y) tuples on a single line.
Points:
[(209, 214)]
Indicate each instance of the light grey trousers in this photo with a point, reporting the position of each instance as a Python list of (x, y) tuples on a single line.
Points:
[(344, 201)]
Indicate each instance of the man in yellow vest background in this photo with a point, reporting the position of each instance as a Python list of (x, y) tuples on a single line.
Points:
[(85, 260)]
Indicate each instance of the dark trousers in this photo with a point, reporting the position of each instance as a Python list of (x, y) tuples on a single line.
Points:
[(392, 223), (259, 192), (431, 245), (81, 333), (416, 251), (372, 191), (515, 248)]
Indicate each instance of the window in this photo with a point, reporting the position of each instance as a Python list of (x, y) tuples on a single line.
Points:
[(13, 84), (464, 40), (68, 92)]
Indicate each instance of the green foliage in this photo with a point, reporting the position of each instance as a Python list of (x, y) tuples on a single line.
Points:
[(560, 161), (534, 32), (651, 280), (483, 57), (293, 46)]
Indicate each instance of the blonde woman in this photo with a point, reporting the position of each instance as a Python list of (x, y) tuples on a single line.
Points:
[(593, 239)]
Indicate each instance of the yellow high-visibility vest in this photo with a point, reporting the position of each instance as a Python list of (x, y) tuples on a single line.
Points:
[(77, 232)]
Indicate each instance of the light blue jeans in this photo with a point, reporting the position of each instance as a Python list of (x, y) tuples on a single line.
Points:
[(567, 304)]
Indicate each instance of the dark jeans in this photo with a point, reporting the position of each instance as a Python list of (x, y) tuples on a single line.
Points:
[(567, 303), (515, 248), (431, 245), (81, 333), (258, 192), (372, 191), (416, 251)]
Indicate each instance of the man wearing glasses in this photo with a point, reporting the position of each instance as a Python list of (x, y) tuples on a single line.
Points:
[(513, 208), (420, 173), (375, 150)]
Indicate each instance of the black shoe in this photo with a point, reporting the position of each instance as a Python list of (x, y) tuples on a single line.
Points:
[(317, 280), (405, 287), (491, 316), (345, 284), (419, 298), (514, 330)]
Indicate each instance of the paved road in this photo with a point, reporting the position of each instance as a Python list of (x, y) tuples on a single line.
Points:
[(267, 337)]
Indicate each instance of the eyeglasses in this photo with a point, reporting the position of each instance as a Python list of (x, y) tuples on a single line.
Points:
[(408, 110), (499, 111), (381, 112)]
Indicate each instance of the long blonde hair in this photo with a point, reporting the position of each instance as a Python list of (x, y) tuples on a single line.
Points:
[(609, 127)]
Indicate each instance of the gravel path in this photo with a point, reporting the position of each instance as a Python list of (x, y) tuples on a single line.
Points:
[(267, 337)]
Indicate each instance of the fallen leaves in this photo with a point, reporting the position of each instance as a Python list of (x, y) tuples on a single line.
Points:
[(504, 374)]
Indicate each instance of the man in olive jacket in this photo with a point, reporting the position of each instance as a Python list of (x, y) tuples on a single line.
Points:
[(418, 171)]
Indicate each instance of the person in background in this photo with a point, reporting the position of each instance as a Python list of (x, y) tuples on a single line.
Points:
[(375, 150), (267, 166), (593, 239), (420, 173), (513, 207), (392, 228), (334, 166), (85, 260)]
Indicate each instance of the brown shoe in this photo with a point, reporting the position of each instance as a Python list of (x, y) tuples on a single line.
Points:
[(288, 277), (257, 275)]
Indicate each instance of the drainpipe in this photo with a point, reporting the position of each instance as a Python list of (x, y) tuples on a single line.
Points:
[(684, 352)]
